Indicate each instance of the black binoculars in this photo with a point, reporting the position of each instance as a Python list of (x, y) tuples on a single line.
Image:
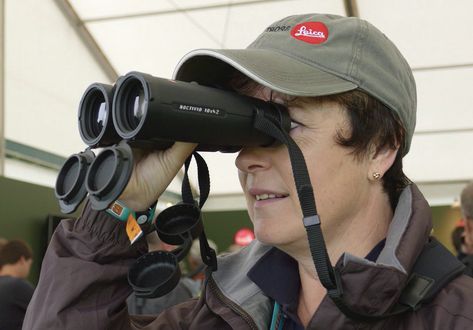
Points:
[(152, 112), (155, 112)]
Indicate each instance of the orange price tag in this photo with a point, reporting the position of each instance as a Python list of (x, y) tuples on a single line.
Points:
[(117, 209), (133, 229)]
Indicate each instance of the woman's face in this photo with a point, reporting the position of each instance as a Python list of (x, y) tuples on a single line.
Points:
[(339, 180)]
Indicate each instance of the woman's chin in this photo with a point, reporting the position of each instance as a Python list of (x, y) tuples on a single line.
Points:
[(264, 237), (272, 239)]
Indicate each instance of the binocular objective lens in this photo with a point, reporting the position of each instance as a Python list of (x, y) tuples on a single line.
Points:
[(98, 116), (135, 106), (97, 108)]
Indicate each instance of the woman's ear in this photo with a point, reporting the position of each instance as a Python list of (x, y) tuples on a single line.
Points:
[(381, 161)]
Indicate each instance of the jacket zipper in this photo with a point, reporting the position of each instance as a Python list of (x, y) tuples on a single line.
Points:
[(235, 307), (279, 320)]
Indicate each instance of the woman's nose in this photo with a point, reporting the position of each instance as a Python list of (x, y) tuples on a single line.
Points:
[(252, 160)]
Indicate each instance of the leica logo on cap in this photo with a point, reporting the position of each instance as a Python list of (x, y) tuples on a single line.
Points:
[(310, 32)]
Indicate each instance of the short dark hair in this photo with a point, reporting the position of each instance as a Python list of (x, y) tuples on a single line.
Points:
[(13, 250), (466, 201), (457, 238), (372, 125)]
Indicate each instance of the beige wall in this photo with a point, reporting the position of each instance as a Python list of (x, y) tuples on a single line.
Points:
[(444, 219)]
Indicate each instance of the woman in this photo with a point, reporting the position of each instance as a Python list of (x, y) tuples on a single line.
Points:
[(351, 98)]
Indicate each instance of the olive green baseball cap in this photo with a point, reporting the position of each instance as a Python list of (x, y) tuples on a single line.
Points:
[(316, 55)]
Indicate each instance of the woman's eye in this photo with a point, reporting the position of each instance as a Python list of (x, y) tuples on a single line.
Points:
[(294, 124)]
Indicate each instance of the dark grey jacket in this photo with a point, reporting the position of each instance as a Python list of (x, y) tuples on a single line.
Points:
[(83, 283), (468, 262), (15, 295)]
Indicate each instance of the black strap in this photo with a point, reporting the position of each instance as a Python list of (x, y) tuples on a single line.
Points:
[(208, 255), (203, 177), (433, 270)]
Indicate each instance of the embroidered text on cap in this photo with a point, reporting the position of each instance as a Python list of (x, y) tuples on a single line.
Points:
[(310, 32)]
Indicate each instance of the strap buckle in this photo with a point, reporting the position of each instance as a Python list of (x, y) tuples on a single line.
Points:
[(311, 220)]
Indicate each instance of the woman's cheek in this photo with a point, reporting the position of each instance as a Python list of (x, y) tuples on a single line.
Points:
[(301, 135)]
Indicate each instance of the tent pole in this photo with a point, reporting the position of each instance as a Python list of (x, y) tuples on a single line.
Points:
[(2, 87), (351, 8), (89, 41)]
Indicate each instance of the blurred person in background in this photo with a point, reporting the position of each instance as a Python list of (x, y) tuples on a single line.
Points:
[(466, 201), (458, 238), (242, 238), (16, 258)]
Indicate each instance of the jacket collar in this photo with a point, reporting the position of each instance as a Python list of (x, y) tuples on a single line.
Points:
[(373, 287)]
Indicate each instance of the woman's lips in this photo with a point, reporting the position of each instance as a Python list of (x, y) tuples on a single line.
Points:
[(264, 202), (264, 196)]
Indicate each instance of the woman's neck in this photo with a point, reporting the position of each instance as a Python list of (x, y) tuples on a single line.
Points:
[(311, 295)]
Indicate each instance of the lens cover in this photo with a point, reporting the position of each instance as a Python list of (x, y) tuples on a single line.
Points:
[(154, 274), (108, 175), (157, 273), (70, 187), (178, 223)]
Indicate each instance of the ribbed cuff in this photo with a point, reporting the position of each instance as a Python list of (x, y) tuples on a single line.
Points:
[(107, 229)]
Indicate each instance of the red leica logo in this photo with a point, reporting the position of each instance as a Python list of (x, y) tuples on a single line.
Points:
[(310, 32)]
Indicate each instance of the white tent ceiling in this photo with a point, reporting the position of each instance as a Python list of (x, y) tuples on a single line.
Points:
[(55, 48)]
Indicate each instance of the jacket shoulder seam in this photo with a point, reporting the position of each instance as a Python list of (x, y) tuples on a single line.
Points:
[(454, 314)]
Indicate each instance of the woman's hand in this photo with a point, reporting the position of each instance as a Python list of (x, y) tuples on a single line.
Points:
[(152, 173)]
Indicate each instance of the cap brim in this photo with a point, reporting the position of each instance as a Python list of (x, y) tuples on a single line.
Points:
[(269, 68)]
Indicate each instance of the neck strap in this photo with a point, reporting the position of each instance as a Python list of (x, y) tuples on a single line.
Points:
[(267, 122), (208, 255)]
